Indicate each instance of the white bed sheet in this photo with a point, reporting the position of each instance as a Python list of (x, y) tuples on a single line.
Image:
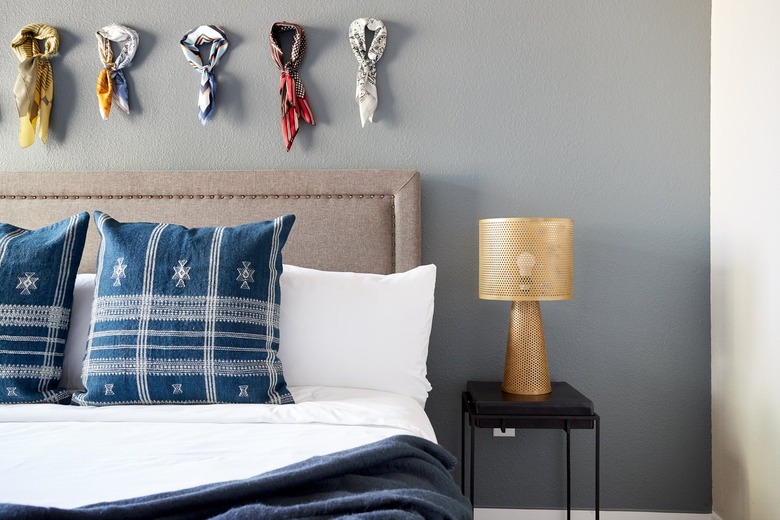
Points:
[(62, 456)]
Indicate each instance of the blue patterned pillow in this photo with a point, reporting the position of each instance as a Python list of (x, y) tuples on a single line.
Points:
[(37, 272), (186, 316)]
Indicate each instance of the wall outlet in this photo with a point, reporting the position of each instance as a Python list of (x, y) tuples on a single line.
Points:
[(508, 432)]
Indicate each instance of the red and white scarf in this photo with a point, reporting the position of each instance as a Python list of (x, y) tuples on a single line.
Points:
[(295, 104)]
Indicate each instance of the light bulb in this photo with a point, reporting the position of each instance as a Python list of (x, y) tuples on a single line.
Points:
[(525, 264)]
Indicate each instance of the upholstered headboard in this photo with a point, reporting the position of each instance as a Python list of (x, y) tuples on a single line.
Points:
[(346, 220)]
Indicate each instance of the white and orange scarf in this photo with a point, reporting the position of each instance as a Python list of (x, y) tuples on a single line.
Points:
[(111, 82)]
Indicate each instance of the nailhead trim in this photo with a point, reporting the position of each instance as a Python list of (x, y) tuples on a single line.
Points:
[(211, 197)]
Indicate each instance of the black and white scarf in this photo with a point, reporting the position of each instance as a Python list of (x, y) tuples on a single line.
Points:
[(366, 95)]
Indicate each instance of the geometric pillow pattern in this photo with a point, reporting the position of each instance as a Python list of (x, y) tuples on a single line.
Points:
[(37, 273), (186, 315)]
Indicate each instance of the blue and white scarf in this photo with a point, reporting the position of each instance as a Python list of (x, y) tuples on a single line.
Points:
[(208, 80)]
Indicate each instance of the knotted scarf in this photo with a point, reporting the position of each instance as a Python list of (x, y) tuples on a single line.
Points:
[(34, 89), (295, 104), (111, 82), (208, 80), (366, 75)]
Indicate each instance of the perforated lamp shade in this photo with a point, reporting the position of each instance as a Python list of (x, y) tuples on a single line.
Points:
[(526, 260)]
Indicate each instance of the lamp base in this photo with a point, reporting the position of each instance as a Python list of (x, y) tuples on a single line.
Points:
[(525, 367)]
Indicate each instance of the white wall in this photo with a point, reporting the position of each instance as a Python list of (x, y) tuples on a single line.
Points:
[(745, 213)]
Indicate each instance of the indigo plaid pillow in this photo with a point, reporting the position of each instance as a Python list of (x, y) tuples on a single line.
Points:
[(37, 272), (186, 316)]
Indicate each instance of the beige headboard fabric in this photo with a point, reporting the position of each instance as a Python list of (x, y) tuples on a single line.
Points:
[(346, 220)]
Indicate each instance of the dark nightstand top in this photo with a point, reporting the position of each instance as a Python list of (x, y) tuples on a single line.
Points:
[(487, 398)]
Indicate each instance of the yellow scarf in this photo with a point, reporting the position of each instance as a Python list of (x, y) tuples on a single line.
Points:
[(34, 89)]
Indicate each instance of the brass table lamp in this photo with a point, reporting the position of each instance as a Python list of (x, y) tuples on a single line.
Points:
[(526, 260)]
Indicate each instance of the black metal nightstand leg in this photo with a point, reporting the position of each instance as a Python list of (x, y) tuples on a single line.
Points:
[(471, 465), (568, 469), (598, 470), (463, 452)]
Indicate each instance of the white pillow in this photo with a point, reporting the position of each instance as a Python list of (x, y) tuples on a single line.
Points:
[(76, 344), (336, 329), (357, 330)]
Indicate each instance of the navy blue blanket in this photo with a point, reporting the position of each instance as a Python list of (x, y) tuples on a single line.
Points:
[(399, 477)]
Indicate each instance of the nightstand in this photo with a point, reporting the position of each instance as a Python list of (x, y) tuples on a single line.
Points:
[(486, 406)]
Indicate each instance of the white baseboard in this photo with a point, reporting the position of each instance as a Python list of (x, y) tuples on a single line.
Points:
[(482, 513)]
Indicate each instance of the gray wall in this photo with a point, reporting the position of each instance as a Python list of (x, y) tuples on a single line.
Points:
[(596, 110)]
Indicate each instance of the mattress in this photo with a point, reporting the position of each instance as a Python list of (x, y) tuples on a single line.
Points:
[(67, 456)]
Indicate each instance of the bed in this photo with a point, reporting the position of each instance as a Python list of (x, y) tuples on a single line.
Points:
[(344, 435)]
